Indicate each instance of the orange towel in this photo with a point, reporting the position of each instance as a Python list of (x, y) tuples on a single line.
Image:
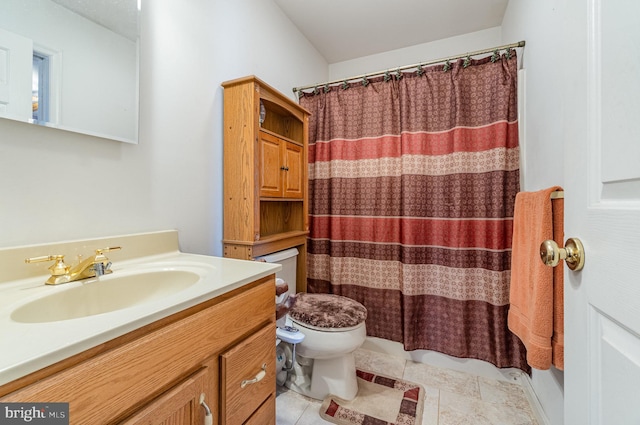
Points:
[(536, 314), (557, 340)]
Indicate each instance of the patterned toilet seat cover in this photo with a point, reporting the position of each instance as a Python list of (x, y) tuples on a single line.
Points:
[(327, 311)]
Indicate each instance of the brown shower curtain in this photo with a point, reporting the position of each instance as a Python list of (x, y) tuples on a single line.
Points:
[(412, 181)]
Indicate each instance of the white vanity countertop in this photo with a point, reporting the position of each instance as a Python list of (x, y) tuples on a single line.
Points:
[(28, 347)]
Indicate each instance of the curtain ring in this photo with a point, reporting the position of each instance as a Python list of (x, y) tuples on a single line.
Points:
[(447, 66), (398, 75), (420, 71), (365, 82), (495, 56), (467, 61), (345, 85), (387, 76), (327, 89)]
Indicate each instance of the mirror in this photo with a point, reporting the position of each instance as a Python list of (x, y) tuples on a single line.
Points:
[(71, 65)]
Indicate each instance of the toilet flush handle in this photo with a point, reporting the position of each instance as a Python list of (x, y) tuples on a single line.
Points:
[(259, 377)]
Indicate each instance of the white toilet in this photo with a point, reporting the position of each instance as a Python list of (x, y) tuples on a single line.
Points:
[(333, 328)]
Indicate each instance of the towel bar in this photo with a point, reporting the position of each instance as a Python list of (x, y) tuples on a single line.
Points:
[(557, 194)]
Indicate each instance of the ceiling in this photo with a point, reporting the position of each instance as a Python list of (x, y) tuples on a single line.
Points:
[(342, 29), (347, 29), (120, 16)]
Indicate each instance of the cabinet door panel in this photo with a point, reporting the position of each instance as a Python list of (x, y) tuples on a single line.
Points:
[(270, 163), (178, 406), (294, 162)]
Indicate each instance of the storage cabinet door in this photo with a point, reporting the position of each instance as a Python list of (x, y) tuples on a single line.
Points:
[(178, 406), (294, 171), (248, 377), (270, 166)]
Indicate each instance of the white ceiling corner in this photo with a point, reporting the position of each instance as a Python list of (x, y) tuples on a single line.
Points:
[(120, 16), (347, 29)]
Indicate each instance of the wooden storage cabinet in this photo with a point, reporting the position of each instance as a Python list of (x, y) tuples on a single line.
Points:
[(157, 374), (281, 168), (265, 173)]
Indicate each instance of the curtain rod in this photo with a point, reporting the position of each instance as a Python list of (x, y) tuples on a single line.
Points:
[(450, 58)]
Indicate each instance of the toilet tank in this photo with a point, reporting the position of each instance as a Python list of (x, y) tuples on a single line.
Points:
[(288, 259)]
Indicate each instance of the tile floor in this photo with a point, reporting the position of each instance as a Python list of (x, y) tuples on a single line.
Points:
[(452, 397)]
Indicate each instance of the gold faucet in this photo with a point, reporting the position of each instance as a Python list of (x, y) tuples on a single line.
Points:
[(96, 265)]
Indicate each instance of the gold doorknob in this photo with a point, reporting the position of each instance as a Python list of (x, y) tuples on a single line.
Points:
[(572, 253)]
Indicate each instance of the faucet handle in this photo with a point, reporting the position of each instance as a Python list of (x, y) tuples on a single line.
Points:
[(59, 268), (107, 249), (99, 252), (101, 264)]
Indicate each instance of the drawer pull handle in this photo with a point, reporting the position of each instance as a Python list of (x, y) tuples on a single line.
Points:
[(208, 417), (259, 377)]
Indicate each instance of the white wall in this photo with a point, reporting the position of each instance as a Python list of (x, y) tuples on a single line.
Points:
[(57, 185), (411, 55), (540, 24)]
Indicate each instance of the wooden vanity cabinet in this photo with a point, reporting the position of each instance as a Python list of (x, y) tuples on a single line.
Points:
[(265, 173), (158, 373)]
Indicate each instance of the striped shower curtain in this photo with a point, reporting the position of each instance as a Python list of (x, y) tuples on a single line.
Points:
[(412, 182)]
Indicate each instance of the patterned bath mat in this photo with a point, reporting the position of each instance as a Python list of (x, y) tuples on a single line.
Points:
[(381, 400)]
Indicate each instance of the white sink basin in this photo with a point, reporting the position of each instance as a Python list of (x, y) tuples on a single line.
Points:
[(46, 324), (106, 294)]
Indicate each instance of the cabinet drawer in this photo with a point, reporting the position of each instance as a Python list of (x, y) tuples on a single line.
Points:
[(244, 364), (266, 414)]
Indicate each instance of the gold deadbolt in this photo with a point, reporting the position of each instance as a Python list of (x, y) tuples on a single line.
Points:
[(572, 253)]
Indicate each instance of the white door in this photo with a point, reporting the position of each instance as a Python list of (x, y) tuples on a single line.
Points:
[(16, 63), (602, 208)]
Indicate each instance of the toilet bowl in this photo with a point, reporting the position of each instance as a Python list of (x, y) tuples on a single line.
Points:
[(333, 328)]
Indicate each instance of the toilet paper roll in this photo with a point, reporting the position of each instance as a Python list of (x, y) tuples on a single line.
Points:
[(281, 287)]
